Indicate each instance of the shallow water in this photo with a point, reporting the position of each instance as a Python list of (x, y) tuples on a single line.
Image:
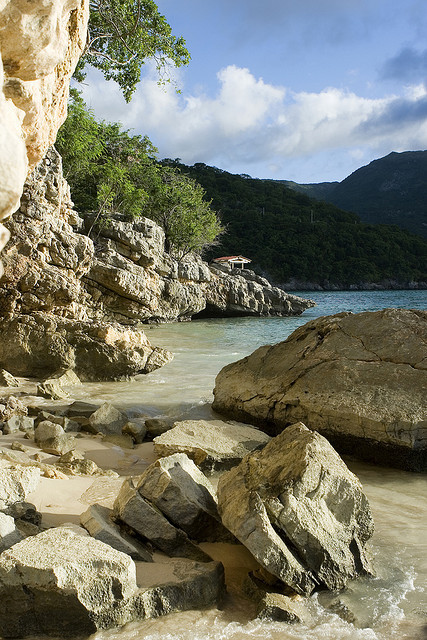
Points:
[(391, 606)]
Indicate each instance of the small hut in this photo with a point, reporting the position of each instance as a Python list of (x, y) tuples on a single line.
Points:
[(233, 261)]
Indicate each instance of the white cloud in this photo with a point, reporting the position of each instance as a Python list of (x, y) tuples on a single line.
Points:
[(249, 121)]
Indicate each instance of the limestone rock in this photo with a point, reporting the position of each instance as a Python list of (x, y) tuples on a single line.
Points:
[(98, 522), (53, 387), (149, 522), (136, 430), (300, 511), (274, 606), (51, 438), (211, 444), (18, 423), (359, 379), (40, 344), (9, 534), (233, 292), (7, 379), (16, 483), (107, 419), (185, 585), (157, 426), (60, 583), (185, 496), (12, 406)]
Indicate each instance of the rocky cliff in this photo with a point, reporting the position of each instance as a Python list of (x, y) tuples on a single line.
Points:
[(121, 275), (40, 45)]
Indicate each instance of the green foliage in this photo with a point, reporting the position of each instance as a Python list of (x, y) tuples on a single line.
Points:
[(178, 204), (391, 190), (289, 235), (111, 171), (123, 35)]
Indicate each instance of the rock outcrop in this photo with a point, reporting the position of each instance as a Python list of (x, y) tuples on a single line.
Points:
[(359, 379), (300, 511), (79, 293), (40, 47)]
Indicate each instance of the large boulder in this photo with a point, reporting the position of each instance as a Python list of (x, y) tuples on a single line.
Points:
[(359, 379), (185, 496), (300, 511), (61, 583), (151, 524), (211, 444), (40, 344)]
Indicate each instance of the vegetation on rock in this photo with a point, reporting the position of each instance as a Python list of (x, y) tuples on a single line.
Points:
[(111, 171)]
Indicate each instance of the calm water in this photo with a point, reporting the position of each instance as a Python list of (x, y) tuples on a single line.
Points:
[(392, 606)]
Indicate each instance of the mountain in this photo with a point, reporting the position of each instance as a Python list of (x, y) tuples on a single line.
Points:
[(391, 190), (290, 236)]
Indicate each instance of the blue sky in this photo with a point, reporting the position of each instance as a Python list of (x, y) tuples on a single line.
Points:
[(304, 90)]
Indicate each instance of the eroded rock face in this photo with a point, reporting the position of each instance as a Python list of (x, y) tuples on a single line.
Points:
[(240, 292), (40, 344), (40, 47), (300, 511), (359, 379)]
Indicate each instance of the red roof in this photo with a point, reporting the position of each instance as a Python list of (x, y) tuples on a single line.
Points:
[(228, 258)]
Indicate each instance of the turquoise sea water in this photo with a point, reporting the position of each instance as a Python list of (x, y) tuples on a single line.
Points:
[(392, 606)]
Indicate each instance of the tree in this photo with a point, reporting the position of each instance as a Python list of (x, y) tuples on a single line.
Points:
[(104, 165), (111, 171), (178, 204), (123, 35)]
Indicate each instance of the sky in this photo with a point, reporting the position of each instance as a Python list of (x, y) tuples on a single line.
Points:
[(303, 90)]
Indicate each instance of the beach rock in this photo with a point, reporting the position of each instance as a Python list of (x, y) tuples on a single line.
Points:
[(211, 444), (106, 419), (18, 423), (136, 430), (62, 583), (9, 534), (176, 487), (12, 406), (39, 344), (24, 511), (149, 522), (182, 585), (51, 438), (79, 408), (97, 520), (53, 387), (279, 608), (7, 379), (300, 511), (358, 379), (16, 483), (157, 426)]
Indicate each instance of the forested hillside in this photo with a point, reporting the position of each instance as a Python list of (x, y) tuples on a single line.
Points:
[(288, 235), (391, 190)]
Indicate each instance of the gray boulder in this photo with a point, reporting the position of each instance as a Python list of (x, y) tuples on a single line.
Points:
[(359, 379), (300, 511), (185, 496), (211, 444), (18, 423), (150, 523), (97, 520), (106, 419), (51, 438)]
